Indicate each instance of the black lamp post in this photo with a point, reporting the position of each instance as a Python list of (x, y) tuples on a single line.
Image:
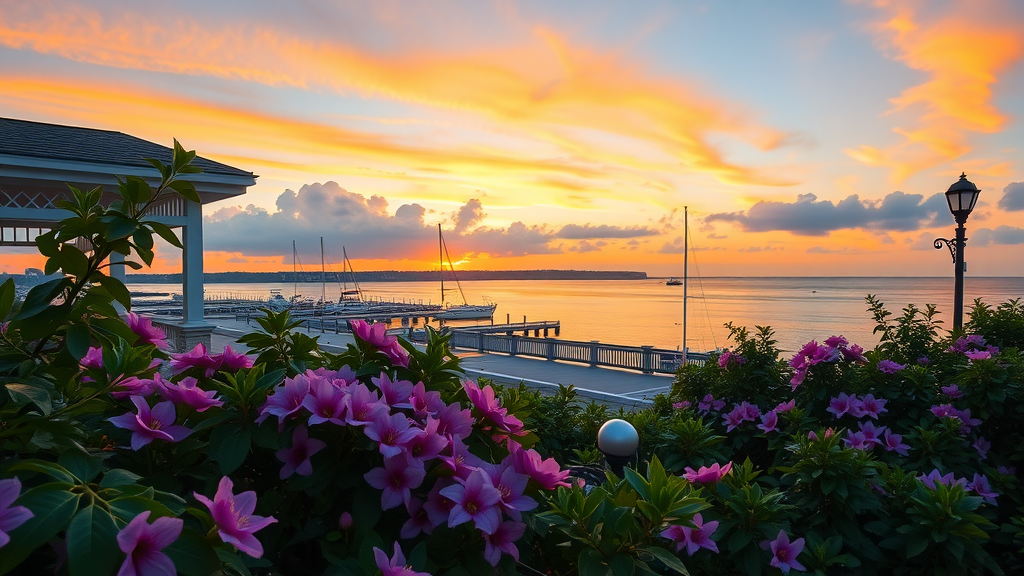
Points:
[(961, 197)]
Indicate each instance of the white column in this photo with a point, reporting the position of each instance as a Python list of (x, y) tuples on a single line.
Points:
[(116, 270), (192, 265)]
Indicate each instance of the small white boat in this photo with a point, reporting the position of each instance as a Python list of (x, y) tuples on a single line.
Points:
[(674, 282), (462, 311)]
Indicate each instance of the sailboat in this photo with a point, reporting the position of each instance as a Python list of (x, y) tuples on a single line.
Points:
[(350, 300), (462, 311)]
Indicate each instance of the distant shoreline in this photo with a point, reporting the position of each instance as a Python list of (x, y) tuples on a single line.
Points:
[(388, 276)]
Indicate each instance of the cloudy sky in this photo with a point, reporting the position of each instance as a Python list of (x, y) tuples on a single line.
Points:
[(806, 138)]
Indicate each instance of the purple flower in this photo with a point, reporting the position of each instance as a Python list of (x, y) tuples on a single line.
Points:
[(871, 406), (326, 403), (872, 434), (708, 474), (188, 392), (93, 358), (143, 542), (858, 441), (844, 404), (419, 520), (769, 422), (952, 391), (437, 506), (978, 354), (784, 552), (148, 425), (395, 394), (286, 400), (475, 499), (981, 487), (982, 446), (894, 443), (394, 566), (837, 342), (923, 361), (683, 405), (397, 479), (11, 516), (391, 433), (786, 406), (693, 538), (890, 367), (133, 386), (965, 343), (144, 329), (196, 358), (511, 485), (503, 540), (709, 403), (461, 461), (944, 411), (487, 405), (427, 444), (231, 361), (375, 335), (297, 458), (733, 419), (547, 473), (233, 516), (934, 478), (453, 420), (363, 406), (425, 403)]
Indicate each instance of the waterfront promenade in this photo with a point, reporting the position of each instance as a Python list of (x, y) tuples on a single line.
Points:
[(609, 386)]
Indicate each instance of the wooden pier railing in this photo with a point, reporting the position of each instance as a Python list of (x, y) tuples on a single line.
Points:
[(647, 359)]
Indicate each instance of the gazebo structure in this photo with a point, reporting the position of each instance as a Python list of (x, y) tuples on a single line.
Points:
[(37, 160)]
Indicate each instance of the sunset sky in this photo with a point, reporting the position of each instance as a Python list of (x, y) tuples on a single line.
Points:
[(807, 138)]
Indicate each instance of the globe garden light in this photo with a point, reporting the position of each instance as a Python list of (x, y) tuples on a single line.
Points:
[(618, 440), (961, 198)]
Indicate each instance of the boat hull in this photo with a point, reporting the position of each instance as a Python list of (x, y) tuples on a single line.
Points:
[(467, 312)]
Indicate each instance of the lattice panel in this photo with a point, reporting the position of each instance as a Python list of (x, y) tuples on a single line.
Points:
[(41, 200)]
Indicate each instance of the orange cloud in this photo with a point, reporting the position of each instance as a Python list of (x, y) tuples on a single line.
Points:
[(962, 53), (542, 87)]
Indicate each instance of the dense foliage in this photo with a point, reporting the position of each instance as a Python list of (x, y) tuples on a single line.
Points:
[(120, 457)]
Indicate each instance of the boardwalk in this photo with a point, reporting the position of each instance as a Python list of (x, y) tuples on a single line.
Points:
[(613, 387)]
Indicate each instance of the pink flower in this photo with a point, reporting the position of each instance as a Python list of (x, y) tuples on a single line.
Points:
[(461, 461), (837, 342), (326, 403), (872, 434), (419, 520), (234, 519), (297, 458), (147, 333), (142, 542), (363, 406), (453, 420), (427, 444), (981, 487), (934, 478), (733, 419), (872, 407), (923, 361), (133, 386), (425, 403), (890, 367), (952, 391), (709, 403), (784, 552), (232, 361), (397, 479), (547, 473), (375, 335), (395, 394), (391, 433), (11, 516), (188, 392), (769, 422), (397, 354), (844, 404), (727, 357), (708, 474), (982, 446), (93, 358), (395, 566), (487, 405), (437, 506), (894, 443), (196, 358), (286, 400), (503, 540), (693, 538), (978, 354), (148, 425), (858, 441), (965, 343), (786, 406), (681, 405), (511, 485), (475, 499)]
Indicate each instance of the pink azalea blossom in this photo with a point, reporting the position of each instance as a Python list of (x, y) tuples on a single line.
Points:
[(147, 333), (143, 542), (487, 405), (872, 434), (708, 474), (475, 499), (844, 404), (894, 443), (978, 354), (693, 538), (460, 460), (730, 357), (326, 403), (681, 405), (453, 421), (134, 386), (982, 446), (297, 458), (503, 540), (394, 566), (399, 476), (512, 486), (391, 433), (148, 425), (394, 393), (547, 473), (428, 443), (425, 402), (233, 516), (981, 487), (196, 358), (965, 343), (890, 367), (923, 361), (286, 400), (419, 520), (709, 403), (188, 392), (837, 341), (733, 419), (858, 441), (952, 391), (437, 506), (93, 358), (397, 354), (363, 406), (784, 552), (786, 406), (769, 422), (375, 335), (11, 516), (232, 361), (872, 407), (934, 478)]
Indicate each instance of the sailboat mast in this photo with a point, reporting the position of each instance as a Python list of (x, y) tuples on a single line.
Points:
[(686, 270), (323, 275), (440, 260), (295, 278)]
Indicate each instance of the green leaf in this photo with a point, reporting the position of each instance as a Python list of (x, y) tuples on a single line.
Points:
[(40, 296), (117, 289), (34, 394), (118, 477), (192, 554), (668, 559), (83, 466), (79, 339), (92, 543), (165, 232), (232, 444), (143, 238), (136, 190), (75, 262), (126, 509), (119, 227), (55, 471), (186, 189), (52, 506), (590, 564), (6, 298)]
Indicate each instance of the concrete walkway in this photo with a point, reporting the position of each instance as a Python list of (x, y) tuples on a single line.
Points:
[(606, 385)]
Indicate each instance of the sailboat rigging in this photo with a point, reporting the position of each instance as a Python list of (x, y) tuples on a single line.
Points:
[(462, 311)]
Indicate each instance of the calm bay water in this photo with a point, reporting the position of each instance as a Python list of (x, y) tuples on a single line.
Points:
[(647, 312)]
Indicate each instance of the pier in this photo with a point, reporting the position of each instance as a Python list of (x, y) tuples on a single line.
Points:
[(513, 327)]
